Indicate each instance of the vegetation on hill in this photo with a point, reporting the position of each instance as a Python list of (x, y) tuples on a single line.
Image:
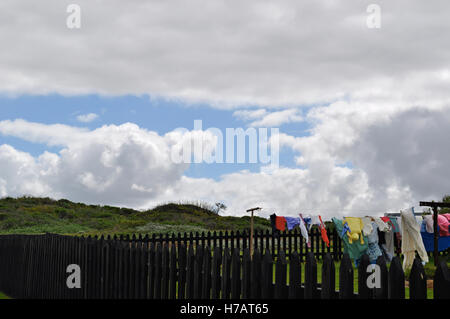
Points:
[(31, 215)]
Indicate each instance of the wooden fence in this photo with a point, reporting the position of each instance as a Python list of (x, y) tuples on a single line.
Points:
[(288, 241), (34, 266)]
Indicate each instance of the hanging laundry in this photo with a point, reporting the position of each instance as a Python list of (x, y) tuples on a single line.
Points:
[(428, 241), (315, 220), (382, 226), (443, 224), (396, 224), (354, 250), (292, 222), (356, 226), (446, 216), (367, 225), (388, 221), (304, 231), (308, 222), (428, 221), (373, 249), (411, 239), (323, 232), (345, 229), (280, 223), (389, 246)]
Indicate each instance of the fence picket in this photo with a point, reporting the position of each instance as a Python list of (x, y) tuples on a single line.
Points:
[(280, 276), (295, 276), (364, 292), (310, 277), (396, 279), (328, 290), (346, 278), (441, 281), (417, 281)]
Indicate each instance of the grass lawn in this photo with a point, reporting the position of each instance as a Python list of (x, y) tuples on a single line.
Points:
[(3, 296), (429, 269)]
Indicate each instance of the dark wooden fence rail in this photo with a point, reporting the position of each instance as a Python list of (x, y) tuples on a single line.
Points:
[(34, 266)]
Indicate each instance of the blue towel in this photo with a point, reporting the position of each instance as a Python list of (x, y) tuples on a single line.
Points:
[(428, 241), (292, 222)]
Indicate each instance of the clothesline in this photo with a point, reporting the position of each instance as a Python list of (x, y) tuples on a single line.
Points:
[(367, 234)]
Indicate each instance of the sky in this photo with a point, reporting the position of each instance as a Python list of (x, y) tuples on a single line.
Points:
[(93, 114)]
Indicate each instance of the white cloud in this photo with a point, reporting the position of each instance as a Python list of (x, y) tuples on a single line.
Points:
[(265, 53), (121, 164), (262, 118), (86, 118), (377, 99), (397, 159)]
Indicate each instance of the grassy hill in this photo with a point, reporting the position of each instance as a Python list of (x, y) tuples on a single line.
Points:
[(31, 215)]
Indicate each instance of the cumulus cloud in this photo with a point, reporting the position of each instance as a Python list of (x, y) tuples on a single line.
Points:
[(86, 118), (377, 100), (265, 53), (122, 164), (262, 118)]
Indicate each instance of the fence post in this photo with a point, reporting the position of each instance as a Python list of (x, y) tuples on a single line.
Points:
[(255, 287), (396, 280), (310, 276), (280, 276), (182, 271), (417, 281), (216, 280), (441, 281), (246, 267), (151, 271), (190, 273), (382, 292), (295, 276), (364, 292), (235, 274), (158, 272), (267, 275), (328, 278), (165, 271), (173, 272), (198, 272), (226, 274), (206, 282), (346, 278)]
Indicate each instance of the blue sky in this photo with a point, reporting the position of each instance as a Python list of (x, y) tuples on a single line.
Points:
[(160, 115)]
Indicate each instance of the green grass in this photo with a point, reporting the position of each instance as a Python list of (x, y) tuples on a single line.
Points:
[(31, 215), (429, 270), (3, 296)]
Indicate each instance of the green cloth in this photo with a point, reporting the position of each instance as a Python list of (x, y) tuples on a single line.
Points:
[(354, 250)]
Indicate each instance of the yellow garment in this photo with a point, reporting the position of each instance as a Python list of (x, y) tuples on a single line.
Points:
[(356, 226)]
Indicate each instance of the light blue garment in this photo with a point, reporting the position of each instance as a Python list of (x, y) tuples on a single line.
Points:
[(373, 250), (292, 222)]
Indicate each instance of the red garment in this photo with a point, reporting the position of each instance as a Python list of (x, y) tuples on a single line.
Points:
[(443, 224), (280, 223), (323, 232)]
